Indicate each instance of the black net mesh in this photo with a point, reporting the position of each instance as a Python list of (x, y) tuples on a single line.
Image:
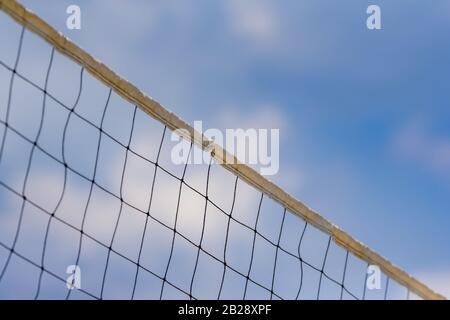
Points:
[(86, 180)]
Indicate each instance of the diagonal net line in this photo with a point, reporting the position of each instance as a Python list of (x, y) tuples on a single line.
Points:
[(276, 255), (323, 267), (202, 232), (247, 277), (146, 219), (386, 288), (5, 133), (175, 223), (121, 204), (343, 275), (63, 190), (226, 238), (301, 260)]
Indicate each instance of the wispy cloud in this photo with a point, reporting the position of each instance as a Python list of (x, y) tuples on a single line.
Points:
[(256, 21), (416, 142), (265, 115)]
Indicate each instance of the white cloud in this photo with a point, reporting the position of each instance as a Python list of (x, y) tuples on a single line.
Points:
[(254, 20), (264, 116), (45, 186), (417, 143)]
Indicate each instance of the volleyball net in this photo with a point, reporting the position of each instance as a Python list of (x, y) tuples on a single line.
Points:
[(91, 205)]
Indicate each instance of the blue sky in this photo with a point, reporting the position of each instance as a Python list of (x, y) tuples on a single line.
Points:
[(363, 115)]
